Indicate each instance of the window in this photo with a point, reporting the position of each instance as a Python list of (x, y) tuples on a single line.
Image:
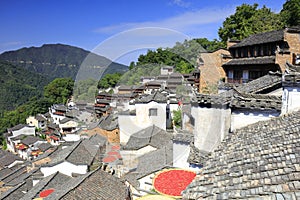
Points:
[(153, 112)]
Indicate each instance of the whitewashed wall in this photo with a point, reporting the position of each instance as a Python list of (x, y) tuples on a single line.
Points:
[(290, 99), (181, 153), (64, 168), (211, 126), (240, 119)]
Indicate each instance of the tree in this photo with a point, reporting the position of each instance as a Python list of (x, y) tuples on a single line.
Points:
[(59, 90), (109, 80), (177, 118), (210, 45), (248, 20), (290, 13)]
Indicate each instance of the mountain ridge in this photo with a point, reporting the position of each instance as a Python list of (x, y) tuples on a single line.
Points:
[(61, 60)]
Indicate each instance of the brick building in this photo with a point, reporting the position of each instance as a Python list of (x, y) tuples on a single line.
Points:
[(260, 53)]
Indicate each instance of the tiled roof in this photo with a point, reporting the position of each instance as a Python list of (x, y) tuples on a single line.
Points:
[(183, 136), (256, 101), (196, 156), (155, 160), (73, 154), (259, 161), (17, 127), (261, 38), (44, 146), (30, 140), (54, 181), (262, 84), (207, 100), (251, 61), (157, 97), (152, 136), (95, 185), (40, 117), (8, 158), (17, 192), (150, 163), (65, 120), (109, 122)]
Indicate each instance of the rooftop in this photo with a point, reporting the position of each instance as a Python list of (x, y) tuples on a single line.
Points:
[(257, 161), (261, 38), (152, 136)]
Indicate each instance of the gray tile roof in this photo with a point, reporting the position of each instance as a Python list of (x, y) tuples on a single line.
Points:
[(256, 101), (251, 61), (30, 140), (65, 120), (261, 85), (40, 117), (109, 122), (54, 181), (17, 127), (259, 161), (196, 156), (261, 38), (183, 136), (150, 163), (17, 192), (95, 185), (291, 77), (155, 160), (44, 146), (8, 158), (157, 97), (208, 100), (152, 136), (73, 153)]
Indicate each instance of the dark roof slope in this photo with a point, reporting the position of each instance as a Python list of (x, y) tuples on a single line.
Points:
[(260, 38), (152, 136), (54, 181), (98, 185), (257, 161), (251, 61)]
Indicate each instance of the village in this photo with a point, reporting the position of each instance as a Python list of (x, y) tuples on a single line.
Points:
[(241, 143)]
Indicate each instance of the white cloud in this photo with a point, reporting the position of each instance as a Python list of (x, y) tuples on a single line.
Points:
[(183, 22)]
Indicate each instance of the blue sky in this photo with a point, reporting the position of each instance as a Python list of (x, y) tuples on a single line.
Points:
[(113, 28)]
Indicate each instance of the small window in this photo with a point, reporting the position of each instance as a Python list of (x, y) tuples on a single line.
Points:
[(153, 112)]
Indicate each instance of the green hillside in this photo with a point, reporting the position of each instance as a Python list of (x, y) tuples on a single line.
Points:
[(59, 60), (18, 85)]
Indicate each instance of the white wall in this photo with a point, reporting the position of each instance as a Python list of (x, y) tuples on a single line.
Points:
[(181, 153), (25, 131), (64, 168), (130, 124), (130, 158), (290, 99), (142, 114), (211, 126), (240, 119)]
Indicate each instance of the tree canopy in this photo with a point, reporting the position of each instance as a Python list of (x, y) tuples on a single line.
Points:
[(290, 13), (248, 20), (59, 90), (109, 80)]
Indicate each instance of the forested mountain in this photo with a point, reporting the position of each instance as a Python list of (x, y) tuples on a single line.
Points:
[(18, 85), (58, 60)]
